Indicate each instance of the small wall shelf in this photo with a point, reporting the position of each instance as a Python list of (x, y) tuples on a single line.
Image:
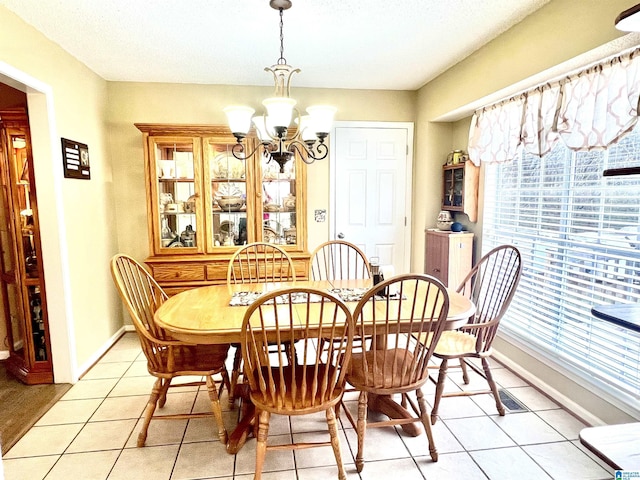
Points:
[(460, 189)]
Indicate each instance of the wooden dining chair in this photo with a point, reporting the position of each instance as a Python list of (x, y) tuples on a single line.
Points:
[(257, 262), (490, 285), (167, 358), (260, 262), (396, 362), (339, 260), (315, 381)]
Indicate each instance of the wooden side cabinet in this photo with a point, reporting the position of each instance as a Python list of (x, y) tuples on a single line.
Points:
[(460, 189), (22, 289), (448, 256)]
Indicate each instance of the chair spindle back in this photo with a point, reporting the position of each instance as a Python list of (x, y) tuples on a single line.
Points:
[(310, 377), (142, 295), (491, 285), (339, 260), (415, 306), (260, 262)]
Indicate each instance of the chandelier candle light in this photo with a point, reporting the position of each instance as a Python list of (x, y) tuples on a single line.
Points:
[(272, 127)]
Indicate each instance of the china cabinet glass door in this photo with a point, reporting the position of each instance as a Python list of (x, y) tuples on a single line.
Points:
[(453, 186), (177, 194), (280, 212), (231, 206)]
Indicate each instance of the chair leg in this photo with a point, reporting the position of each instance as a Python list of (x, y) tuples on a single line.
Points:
[(235, 375), (465, 374), (335, 441), (215, 407), (424, 417), (163, 392), (225, 383), (493, 386), (361, 428), (442, 376), (149, 410), (261, 445)]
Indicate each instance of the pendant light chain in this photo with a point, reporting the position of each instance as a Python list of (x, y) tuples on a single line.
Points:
[(281, 60)]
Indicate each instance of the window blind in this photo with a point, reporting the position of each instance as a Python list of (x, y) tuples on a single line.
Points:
[(579, 235)]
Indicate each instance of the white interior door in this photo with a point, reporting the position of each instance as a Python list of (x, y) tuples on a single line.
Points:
[(371, 189)]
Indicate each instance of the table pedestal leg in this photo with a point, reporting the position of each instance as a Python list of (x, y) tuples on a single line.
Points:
[(238, 437), (386, 405)]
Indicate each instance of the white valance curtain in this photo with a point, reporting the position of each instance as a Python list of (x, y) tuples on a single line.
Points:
[(587, 111)]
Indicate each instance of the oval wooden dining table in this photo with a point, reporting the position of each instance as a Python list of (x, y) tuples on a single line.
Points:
[(205, 315)]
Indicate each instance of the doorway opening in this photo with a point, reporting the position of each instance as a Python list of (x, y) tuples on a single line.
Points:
[(23, 300), (47, 156)]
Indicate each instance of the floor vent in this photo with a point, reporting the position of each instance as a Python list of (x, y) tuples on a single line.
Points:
[(510, 402)]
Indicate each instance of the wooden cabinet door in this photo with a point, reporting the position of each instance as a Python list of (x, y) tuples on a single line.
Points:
[(437, 256), (175, 202), (448, 256)]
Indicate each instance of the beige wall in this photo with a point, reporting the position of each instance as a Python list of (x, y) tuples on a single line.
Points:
[(77, 217), (131, 103), (554, 35)]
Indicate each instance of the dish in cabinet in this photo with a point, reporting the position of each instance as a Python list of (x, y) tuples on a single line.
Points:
[(225, 165), (270, 235)]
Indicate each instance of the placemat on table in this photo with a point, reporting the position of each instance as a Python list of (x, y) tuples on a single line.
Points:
[(243, 299), (356, 294)]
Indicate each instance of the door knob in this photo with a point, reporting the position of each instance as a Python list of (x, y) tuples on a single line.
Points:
[(341, 235)]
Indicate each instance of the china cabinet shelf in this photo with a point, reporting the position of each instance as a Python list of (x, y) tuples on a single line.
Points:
[(219, 179), (175, 180)]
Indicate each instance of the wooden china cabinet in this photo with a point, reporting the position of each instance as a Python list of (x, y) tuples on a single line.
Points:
[(203, 203), (22, 288)]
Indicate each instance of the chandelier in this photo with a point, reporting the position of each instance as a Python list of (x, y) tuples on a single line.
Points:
[(273, 126)]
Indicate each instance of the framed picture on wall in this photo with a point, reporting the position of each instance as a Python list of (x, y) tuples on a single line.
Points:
[(75, 159)]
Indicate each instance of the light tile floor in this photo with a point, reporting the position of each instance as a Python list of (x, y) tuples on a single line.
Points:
[(91, 434)]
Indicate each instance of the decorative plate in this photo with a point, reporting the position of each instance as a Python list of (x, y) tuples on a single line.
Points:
[(269, 235), (225, 165), (228, 190)]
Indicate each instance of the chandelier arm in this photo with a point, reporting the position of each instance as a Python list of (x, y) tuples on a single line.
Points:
[(307, 152), (238, 150)]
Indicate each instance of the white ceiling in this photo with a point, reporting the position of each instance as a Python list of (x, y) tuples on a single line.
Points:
[(370, 44)]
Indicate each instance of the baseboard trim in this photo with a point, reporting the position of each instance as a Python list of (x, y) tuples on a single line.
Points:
[(97, 355), (579, 411)]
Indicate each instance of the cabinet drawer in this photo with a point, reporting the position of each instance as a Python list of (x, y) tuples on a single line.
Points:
[(300, 267), (217, 271), (178, 272)]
